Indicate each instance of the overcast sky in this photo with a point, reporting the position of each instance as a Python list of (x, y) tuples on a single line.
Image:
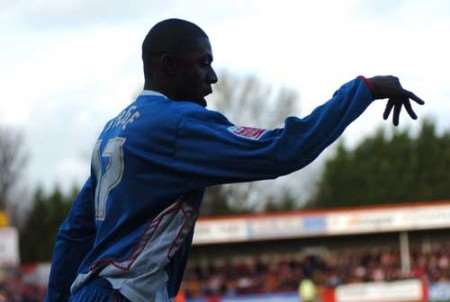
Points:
[(66, 67)]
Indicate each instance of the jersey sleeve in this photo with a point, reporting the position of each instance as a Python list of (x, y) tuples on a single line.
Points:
[(74, 239), (211, 150)]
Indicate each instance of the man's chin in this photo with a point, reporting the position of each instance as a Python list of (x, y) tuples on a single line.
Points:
[(202, 99), (203, 102)]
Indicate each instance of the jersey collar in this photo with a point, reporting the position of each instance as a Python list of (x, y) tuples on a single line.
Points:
[(153, 93)]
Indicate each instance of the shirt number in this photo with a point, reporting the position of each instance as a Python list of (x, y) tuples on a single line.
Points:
[(108, 167)]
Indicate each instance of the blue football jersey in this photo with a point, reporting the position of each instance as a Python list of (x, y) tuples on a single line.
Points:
[(132, 223)]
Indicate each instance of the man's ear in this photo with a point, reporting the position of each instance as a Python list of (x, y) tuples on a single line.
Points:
[(169, 65)]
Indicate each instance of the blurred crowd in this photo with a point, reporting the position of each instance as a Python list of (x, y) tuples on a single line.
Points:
[(274, 273), (15, 287), (282, 273)]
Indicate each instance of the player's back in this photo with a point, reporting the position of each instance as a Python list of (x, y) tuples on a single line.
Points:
[(142, 212)]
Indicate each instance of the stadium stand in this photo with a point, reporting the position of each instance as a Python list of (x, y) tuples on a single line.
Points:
[(249, 258)]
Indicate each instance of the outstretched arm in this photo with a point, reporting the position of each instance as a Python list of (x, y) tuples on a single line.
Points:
[(74, 239), (211, 150)]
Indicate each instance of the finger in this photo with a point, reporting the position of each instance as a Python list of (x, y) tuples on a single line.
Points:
[(414, 97), (409, 109), (396, 116), (388, 109)]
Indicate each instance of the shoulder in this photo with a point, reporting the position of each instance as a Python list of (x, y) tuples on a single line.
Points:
[(167, 111), (191, 111)]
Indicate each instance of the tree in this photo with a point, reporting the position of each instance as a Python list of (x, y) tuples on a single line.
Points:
[(286, 203), (383, 169), (247, 101), (12, 163), (38, 233)]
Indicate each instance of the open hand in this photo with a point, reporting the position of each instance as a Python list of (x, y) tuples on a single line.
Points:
[(389, 87)]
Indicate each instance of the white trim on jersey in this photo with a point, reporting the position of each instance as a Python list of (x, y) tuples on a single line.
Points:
[(152, 93)]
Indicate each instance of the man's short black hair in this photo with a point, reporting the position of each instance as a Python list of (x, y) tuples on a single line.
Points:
[(172, 36)]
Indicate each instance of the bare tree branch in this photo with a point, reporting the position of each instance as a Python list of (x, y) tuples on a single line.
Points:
[(13, 159)]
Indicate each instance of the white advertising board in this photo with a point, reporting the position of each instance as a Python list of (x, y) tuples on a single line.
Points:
[(275, 227), (250, 228), (395, 291), (9, 246), (388, 219), (333, 222), (224, 230)]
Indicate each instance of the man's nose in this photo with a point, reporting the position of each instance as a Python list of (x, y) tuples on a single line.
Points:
[(212, 76)]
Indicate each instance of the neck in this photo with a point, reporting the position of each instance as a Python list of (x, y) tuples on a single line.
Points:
[(169, 92), (158, 88), (148, 86)]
